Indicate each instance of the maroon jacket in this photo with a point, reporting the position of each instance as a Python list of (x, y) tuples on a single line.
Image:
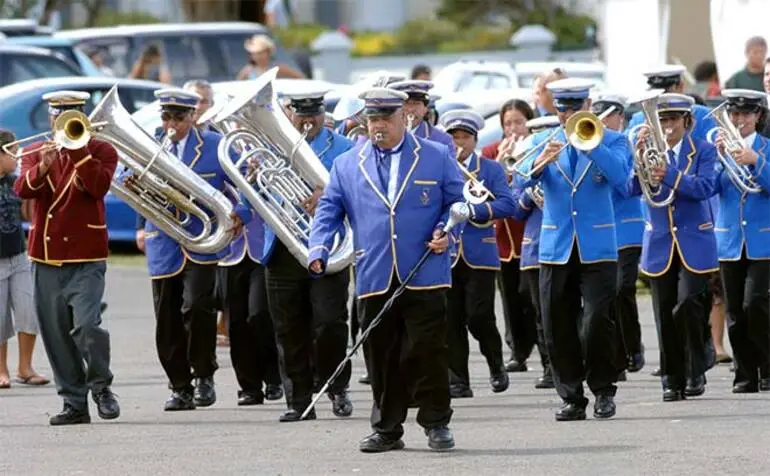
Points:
[(508, 231)]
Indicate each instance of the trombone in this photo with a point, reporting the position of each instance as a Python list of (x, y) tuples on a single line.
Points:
[(72, 130), (584, 131)]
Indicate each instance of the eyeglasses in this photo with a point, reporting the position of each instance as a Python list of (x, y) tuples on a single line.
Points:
[(569, 105), (173, 116)]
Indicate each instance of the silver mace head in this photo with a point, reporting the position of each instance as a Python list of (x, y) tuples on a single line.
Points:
[(459, 213)]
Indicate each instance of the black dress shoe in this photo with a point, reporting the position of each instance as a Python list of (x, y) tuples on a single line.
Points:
[(440, 439), (460, 390), (273, 392), (673, 395), (295, 415), (604, 407), (70, 416), (546, 381), (764, 385), (499, 382), (364, 379), (106, 404), (516, 366), (657, 372), (377, 443), (205, 395), (622, 377), (636, 362), (570, 412), (695, 386), (246, 399), (180, 401), (341, 404), (746, 387), (102, 308)]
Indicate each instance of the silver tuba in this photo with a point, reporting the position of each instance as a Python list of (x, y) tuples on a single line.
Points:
[(655, 151), (276, 169), (739, 175), (160, 181)]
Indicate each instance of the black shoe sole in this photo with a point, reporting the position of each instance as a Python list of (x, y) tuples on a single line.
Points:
[(604, 416), (544, 386), (697, 393), (443, 446), (78, 421), (272, 398), (579, 417), (250, 403), (205, 403), (108, 416), (395, 446), (179, 409)]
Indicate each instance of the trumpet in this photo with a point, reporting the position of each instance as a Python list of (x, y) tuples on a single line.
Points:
[(474, 190), (733, 142), (584, 131), (655, 152), (71, 130), (409, 121)]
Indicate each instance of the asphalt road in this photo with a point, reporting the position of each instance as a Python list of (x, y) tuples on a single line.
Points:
[(510, 433)]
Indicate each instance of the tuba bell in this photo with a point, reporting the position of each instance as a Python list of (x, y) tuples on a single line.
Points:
[(739, 175), (276, 170), (162, 188)]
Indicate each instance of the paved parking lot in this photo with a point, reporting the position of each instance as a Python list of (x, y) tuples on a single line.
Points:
[(509, 433)]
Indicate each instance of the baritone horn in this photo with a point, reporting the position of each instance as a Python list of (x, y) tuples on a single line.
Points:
[(162, 188), (71, 130), (739, 175), (276, 170)]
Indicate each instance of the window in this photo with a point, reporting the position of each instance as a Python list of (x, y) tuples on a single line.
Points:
[(235, 53), (115, 52), (23, 68), (185, 58), (474, 82), (499, 81)]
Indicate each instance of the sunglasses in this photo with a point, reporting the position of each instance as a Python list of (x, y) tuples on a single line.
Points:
[(569, 105), (167, 116)]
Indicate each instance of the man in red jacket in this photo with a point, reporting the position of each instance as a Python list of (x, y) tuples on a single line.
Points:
[(68, 245)]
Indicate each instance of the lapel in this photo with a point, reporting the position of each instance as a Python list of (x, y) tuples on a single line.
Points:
[(323, 142), (686, 154), (475, 165), (410, 155), (368, 166), (759, 145), (563, 163), (582, 166), (193, 148), (422, 130)]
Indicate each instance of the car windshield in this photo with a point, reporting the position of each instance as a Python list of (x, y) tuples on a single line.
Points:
[(25, 67), (65, 51), (527, 79)]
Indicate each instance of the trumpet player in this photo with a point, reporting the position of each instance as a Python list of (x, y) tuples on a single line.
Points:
[(68, 245), (183, 282), (416, 109), (679, 247), (529, 210), (476, 261), (742, 241), (309, 315), (578, 248), (629, 227)]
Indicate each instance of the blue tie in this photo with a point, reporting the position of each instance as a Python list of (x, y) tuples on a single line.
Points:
[(573, 158), (175, 148), (671, 157), (383, 164)]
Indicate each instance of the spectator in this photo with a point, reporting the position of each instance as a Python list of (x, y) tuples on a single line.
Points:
[(97, 56), (751, 76), (261, 50), (150, 66), (422, 72), (707, 79), (278, 13), (543, 97)]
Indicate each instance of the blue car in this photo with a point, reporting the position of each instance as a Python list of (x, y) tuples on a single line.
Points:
[(23, 112), (63, 46)]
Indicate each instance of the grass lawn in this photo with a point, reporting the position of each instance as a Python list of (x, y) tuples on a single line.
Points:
[(125, 255)]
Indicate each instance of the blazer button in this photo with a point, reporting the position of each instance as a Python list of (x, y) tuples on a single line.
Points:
[(47, 238), (574, 213), (574, 190), (673, 229), (395, 237), (50, 215), (744, 223)]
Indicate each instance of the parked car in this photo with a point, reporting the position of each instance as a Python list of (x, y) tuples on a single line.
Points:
[(470, 76), (62, 46), (23, 63), (25, 113), (213, 51), (527, 71), (23, 27)]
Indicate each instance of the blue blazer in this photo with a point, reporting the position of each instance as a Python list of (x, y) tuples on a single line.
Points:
[(165, 257), (744, 219), (700, 127), (578, 203), (686, 225), (629, 219), (426, 131), (390, 237), (327, 145), (527, 211), (476, 243), (250, 243)]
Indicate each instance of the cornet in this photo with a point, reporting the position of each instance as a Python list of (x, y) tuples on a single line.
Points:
[(733, 142), (72, 130), (409, 121)]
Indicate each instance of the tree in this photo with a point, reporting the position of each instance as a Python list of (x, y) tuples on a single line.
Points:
[(223, 10), (469, 12)]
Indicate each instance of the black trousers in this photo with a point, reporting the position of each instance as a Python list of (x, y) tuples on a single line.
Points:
[(580, 345), (626, 311), (681, 303), (530, 279), (518, 314), (310, 317), (746, 285), (253, 350), (413, 331), (186, 324), (471, 307)]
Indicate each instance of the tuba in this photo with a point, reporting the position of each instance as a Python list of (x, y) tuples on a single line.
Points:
[(162, 189), (655, 150), (738, 174), (276, 170)]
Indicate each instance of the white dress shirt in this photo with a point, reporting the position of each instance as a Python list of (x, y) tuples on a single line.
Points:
[(748, 141), (677, 148), (181, 143), (395, 162)]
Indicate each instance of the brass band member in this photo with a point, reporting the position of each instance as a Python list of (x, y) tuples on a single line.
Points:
[(679, 248), (578, 255), (471, 299), (416, 109), (68, 244), (742, 241)]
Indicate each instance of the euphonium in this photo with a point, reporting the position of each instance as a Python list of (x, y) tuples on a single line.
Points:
[(738, 174), (161, 187), (655, 151), (276, 170)]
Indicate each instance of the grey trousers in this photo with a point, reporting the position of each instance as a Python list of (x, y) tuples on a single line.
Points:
[(68, 300)]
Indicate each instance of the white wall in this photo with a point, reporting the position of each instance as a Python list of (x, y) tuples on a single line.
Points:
[(732, 23)]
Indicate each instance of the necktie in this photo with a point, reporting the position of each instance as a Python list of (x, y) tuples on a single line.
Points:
[(383, 164), (671, 157), (175, 148), (573, 158)]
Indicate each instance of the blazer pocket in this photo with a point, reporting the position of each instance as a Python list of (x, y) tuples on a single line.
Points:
[(605, 225), (489, 239), (526, 241), (425, 182), (360, 253), (631, 220), (761, 230), (549, 227), (150, 234), (97, 227), (706, 226), (725, 230), (208, 176)]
